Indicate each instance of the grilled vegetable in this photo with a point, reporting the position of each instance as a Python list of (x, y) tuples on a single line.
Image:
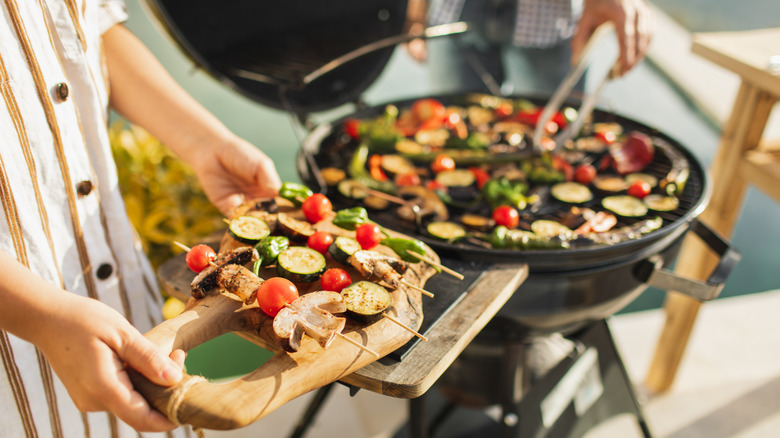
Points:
[(502, 191), (400, 246), (268, 250), (624, 205), (610, 183), (366, 301), (547, 228), (248, 229), (379, 267), (300, 264), (674, 181), (343, 247), (571, 192), (503, 238), (297, 231), (294, 192), (312, 314), (661, 203), (448, 231), (350, 218)]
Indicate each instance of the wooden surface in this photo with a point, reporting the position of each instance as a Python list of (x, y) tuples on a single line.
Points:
[(287, 375), (738, 163)]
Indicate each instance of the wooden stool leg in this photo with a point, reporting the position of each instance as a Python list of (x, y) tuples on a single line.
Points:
[(743, 131)]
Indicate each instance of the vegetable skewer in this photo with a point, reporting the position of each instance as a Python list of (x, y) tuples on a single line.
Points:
[(452, 272), (404, 326)]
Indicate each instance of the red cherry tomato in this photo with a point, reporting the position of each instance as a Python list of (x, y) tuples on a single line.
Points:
[(335, 279), (199, 256), (504, 109), (352, 128), (585, 174), (429, 113), (316, 207), (608, 137), (435, 185), (320, 241), (506, 215), (407, 179), (274, 293), (481, 176), (639, 189), (368, 235), (442, 163)]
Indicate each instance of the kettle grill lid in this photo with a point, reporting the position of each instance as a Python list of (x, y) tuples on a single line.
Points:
[(266, 49)]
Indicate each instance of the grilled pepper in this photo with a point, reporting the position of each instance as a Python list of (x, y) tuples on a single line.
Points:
[(400, 246), (294, 192), (381, 134), (268, 249), (502, 191), (350, 218)]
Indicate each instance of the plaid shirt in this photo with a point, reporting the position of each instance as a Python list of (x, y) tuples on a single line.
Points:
[(539, 23)]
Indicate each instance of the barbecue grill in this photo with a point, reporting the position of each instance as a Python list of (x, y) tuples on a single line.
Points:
[(304, 57)]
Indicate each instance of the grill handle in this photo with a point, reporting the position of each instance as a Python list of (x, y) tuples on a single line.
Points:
[(667, 279)]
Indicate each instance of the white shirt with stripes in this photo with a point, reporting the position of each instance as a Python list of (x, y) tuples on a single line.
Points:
[(63, 214)]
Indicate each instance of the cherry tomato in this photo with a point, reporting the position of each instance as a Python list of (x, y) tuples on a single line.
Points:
[(274, 293), (608, 137), (320, 241), (352, 128), (442, 163), (407, 179), (435, 185), (199, 256), (560, 164), (504, 109), (368, 235), (639, 189), (481, 176), (506, 215), (429, 113), (585, 174), (335, 279), (316, 207)]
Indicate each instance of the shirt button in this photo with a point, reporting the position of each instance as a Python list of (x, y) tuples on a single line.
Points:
[(84, 188), (62, 90), (104, 271)]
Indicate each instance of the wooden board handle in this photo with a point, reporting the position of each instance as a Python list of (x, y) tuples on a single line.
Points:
[(283, 377)]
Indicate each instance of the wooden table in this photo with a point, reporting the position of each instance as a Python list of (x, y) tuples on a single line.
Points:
[(744, 157), (422, 365)]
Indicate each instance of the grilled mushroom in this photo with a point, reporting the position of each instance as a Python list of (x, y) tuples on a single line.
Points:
[(206, 280), (378, 267), (312, 314)]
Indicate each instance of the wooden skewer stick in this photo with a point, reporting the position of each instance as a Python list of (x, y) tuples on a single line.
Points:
[(182, 246), (226, 220), (454, 273), (404, 326), (384, 196), (357, 344), (417, 288)]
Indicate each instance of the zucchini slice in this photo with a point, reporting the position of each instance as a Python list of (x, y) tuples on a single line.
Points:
[(661, 203), (548, 228), (343, 247), (456, 178), (333, 175), (248, 229), (444, 230), (300, 264), (646, 177), (477, 222), (366, 301), (397, 165), (624, 205), (352, 189), (571, 192), (610, 183), (297, 231)]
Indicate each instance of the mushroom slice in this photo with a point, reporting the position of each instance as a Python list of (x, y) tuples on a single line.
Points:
[(239, 281), (312, 314)]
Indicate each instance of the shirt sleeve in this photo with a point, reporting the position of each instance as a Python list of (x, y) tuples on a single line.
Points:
[(110, 13)]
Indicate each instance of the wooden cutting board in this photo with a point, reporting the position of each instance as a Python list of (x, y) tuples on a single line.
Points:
[(285, 376)]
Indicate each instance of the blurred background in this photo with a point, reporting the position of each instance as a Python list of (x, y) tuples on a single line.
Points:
[(671, 91)]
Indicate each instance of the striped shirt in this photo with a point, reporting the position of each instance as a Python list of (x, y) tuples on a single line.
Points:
[(63, 215), (538, 23)]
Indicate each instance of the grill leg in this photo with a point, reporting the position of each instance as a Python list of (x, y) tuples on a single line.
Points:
[(311, 411)]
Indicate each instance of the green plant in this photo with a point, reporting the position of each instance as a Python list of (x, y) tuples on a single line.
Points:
[(162, 195)]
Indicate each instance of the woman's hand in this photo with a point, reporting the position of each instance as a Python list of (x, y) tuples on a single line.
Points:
[(235, 171), (633, 21), (89, 345)]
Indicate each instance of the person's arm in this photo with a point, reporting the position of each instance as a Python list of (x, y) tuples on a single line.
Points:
[(87, 344), (229, 168), (633, 21)]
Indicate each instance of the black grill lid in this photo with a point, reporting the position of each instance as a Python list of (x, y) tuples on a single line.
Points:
[(266, 49)]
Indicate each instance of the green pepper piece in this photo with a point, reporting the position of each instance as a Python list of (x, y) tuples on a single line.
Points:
[(350, 218), (295, 192), (357, 171), (497, 237), (400, 246), (269, 249)]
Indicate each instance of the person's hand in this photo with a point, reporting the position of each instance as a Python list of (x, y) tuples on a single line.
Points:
[(633, 23), (88, 344), (233, 172)]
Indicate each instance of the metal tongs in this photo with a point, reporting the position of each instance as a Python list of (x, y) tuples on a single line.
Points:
[(564, 90)]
